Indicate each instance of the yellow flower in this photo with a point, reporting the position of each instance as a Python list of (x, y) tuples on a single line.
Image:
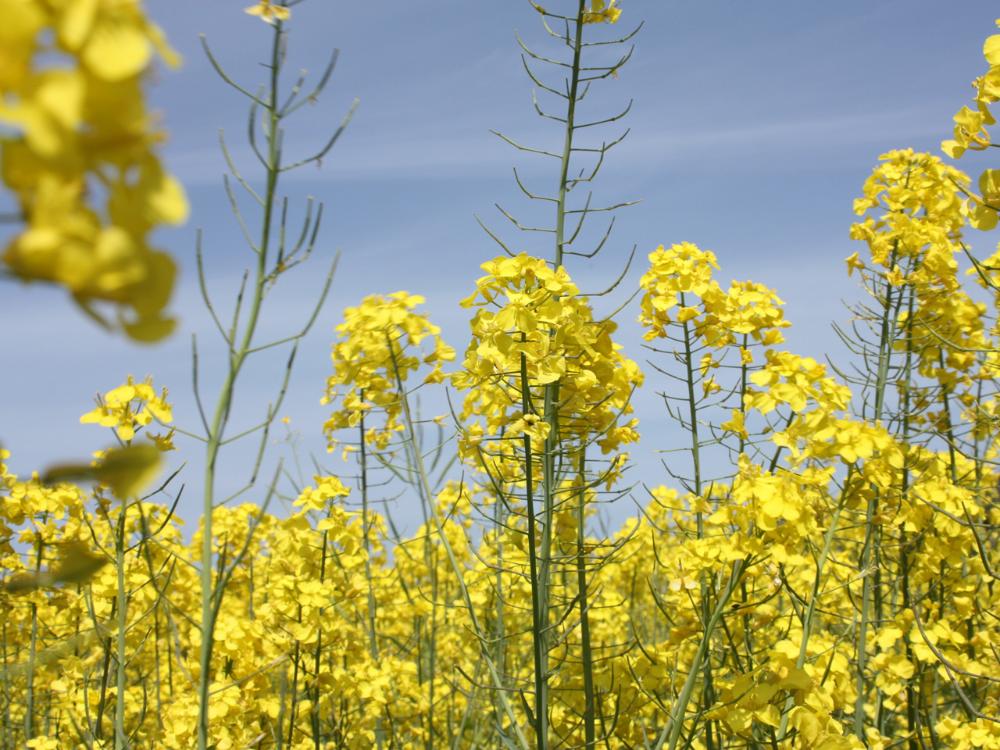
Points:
[(130, 407), (320, 497), (268, 11), (854, 263), (602, 11)]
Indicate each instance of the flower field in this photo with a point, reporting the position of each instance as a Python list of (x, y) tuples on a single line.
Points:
[(819, 568)]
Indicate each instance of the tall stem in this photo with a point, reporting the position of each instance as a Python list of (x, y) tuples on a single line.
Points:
[(589, 696), (29, 698), (871, 543), (121, 741), (417, 461), (539, 626), (210, 598), (570, 130), (373, 650)]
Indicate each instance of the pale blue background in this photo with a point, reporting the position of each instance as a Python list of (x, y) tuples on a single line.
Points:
[(755, 124)]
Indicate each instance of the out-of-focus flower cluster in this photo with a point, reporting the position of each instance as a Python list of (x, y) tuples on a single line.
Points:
[(79, 155)]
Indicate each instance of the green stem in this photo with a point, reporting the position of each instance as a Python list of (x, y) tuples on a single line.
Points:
[(29, 698), (538, 624), (567, 153), (671, 733), (709, 692), (8, 727), (366, 528), (807, 619), (237, 358), (871, 543), (121, 621), (424, 483), (589, 696)]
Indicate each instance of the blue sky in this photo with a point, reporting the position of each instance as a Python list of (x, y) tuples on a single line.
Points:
[(753, 127)]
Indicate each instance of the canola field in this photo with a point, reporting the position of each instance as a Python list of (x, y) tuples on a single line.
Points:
[(819, 569)]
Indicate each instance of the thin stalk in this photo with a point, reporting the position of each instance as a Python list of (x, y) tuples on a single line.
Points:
[(807, 619), (121, 622), (29, 690), (569, 131), (314, 718), (236, 360), (671, 733), (589, 697), (538, 626), (295, 687), (8, 726), (914, 739), (707, 688), (888, 324), (366, 529), (424, 483)]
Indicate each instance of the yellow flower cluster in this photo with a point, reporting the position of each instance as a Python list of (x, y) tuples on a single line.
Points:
[(534, 330), (602, 11), (130, 407), (681, 277), (916, 208), (971, 124), (81, 156), (971, 132), (919, 213), (372, 361)]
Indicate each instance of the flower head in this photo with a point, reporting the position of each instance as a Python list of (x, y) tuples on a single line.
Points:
[(268, 12), (602, 11), (130, 407)]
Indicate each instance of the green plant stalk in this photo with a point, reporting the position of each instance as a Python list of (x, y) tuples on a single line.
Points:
[(29, 690), (540, 580), (279, 742), (807, 619), (550, 399), (589, 696), (156, 664), (237, 358), (539, 626), (567, 154), (912, 718), (881, 379), (366, 529), (295, 686), (314, 718), (8, 726), (671, 733), (541, 559), (103, 700), (699, 518), (949, 429), (121, 622), (499, 634), (418, 464)]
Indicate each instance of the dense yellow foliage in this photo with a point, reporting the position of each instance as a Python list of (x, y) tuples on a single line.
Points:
[(323, 633)]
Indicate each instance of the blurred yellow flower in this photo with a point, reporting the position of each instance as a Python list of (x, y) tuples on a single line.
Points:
[(602, 11), (267, 11)]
